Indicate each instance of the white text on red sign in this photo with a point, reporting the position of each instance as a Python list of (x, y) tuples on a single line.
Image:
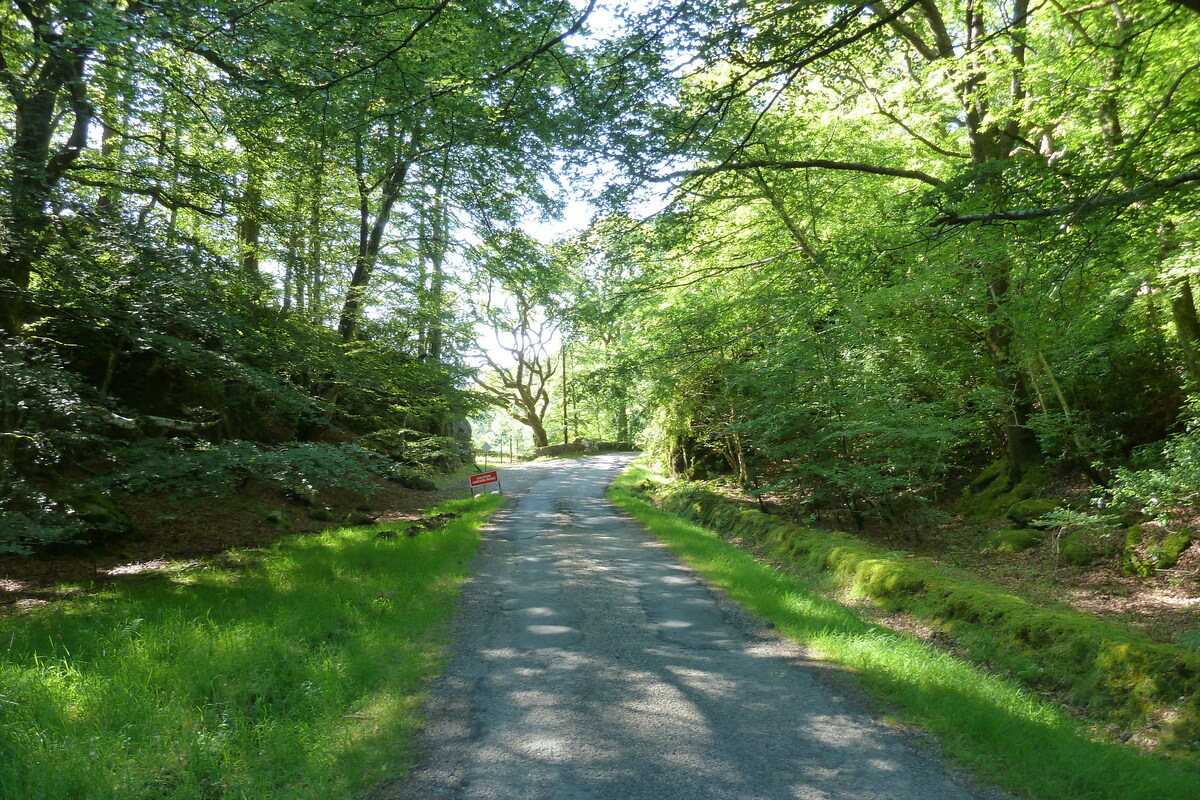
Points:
[(484, 478)]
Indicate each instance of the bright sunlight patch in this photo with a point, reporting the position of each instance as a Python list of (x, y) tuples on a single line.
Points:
[(292, 673)]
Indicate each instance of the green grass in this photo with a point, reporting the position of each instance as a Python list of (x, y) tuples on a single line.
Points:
[(294, 672), (995, 726)]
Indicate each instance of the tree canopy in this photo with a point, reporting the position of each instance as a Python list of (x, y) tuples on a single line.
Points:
[(906, 239)]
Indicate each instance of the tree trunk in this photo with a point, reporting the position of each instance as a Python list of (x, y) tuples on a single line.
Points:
[(36, 171), (566, 420), (622, 415), (250, 219), (370, 233), (991, 139), (118, 100), (432, 249), (314, 266), (1187, 326), (1020, 445), (539, 431), (437, 280)]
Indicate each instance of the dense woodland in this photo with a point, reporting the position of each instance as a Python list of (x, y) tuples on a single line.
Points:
[(854, 257), (908, 242), (228, 231)]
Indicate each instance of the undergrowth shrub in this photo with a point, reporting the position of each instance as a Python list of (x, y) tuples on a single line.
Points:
[(182, 469), (1165, 476), (47, 413), (162, 370), (33, 519)]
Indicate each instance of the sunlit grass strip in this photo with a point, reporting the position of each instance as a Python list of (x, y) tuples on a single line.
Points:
[(997, 728), (296, 672)]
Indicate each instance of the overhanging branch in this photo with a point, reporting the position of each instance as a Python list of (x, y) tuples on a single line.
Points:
[(1144, 191), (812, 163)]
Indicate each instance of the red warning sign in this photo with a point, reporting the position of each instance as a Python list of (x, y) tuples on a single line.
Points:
[(484, 478)]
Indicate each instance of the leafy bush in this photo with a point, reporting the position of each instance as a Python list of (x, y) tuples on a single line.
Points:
[(1169, 477), (413, 448), (33, 519), (163, 371), (183, 469), (46, 411), (46, 414)]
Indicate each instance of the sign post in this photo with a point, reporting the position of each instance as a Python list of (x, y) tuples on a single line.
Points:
[(483, 479)]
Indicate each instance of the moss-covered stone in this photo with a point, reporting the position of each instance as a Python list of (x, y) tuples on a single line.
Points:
[(1024, 512), (1073, 550), (886, 579), (411, 480), (1034, 479), (992, 493), (1115, 672), (982, 494), (988, 476), (102, 517), (1013, 540), (1149, 548), (1172, 547)]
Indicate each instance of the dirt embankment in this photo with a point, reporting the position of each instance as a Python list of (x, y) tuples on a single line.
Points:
[(169, 530)]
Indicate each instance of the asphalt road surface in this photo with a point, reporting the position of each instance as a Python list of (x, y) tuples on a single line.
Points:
[(591, 664)]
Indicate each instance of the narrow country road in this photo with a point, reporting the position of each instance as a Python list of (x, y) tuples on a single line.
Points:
[(589, 663)]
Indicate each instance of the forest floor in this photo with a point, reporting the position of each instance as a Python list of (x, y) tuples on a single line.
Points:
[(170, 531)]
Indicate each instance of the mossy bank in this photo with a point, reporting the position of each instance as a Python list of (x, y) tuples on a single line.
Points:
[(1122, 681)]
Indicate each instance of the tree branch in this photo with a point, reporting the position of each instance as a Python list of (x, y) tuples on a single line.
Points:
[(889, 115), (434, 13), (153, 192), (812, 163), (1138, 193), (83, 112), (906, 30), (571, 31), (937, 24)]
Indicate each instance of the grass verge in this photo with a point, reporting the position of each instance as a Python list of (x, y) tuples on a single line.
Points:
[(292, 672), (994, 725)]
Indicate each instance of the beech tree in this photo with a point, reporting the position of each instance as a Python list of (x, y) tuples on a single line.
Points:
[(523, 383), (521, 300)]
